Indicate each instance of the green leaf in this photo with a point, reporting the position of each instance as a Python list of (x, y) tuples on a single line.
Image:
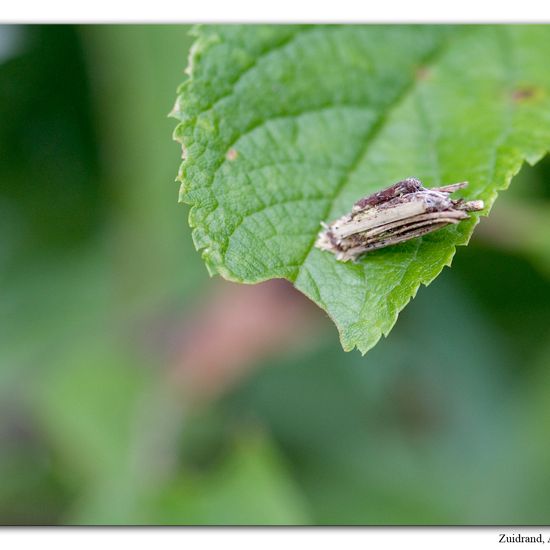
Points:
[(283, 127), (251, 486)]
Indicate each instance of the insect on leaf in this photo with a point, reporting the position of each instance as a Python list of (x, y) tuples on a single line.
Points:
[(405, 210), (284, 127)]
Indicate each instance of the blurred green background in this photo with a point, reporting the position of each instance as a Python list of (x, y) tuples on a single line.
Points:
[(136, 390)]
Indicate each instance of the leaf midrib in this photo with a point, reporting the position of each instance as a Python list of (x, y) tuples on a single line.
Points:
[(428, 61)]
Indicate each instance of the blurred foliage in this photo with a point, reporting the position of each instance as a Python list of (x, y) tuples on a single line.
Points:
[(446, 421)]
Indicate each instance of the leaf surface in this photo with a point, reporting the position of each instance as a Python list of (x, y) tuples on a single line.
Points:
[(283, 127)]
